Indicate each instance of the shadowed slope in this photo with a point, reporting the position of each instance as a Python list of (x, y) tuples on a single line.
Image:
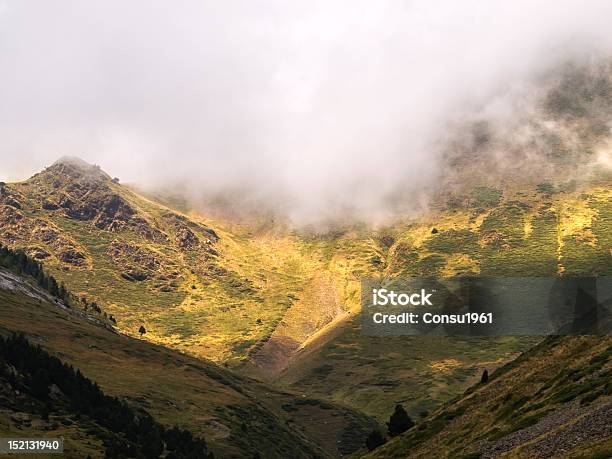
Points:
[(553, 401), (236, 414)]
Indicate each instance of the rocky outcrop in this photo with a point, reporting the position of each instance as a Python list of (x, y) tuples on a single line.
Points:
[(180, 221), (190, 235), (9, 197), (79, 191), (138, 264), (94, 202), (185, 238), (148, 244), (72, 257), (39, 238), (37, 253)]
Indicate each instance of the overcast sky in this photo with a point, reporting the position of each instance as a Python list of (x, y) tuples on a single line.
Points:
[(325, 104)]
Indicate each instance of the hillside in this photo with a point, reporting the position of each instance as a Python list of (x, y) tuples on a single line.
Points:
[(543, 208), (39, 392), (529, 233), (283, 305), (553, 401), (201, 290), (235, 415), (280, 303)]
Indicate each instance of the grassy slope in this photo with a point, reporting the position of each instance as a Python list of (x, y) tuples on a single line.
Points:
[(236, 415), (522, 234), (25, 423), (265, 304), (216, 306), (555, 397)]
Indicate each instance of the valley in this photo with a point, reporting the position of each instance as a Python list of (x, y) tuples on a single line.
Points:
[(246, 330), (199, 201), (234, 414), (282, 305)]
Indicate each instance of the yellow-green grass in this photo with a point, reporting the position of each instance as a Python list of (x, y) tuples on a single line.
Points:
[(373, 374), (519, 236), (234, 307), (236, 415), (565, 380)]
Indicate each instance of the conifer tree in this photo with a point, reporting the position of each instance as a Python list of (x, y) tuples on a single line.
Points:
[(399, 421), (375, 439)]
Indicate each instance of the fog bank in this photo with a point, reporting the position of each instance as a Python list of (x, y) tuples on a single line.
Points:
[(314, 109)]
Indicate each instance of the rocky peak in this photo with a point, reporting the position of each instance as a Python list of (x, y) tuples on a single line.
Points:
[(81, 191), (76, 168), (74, 161)]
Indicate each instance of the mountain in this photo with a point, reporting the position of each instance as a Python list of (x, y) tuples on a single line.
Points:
[(236, 415), (529, 197), (528, 233), (282, 305), (268, 302), (39, 392), (555, 400), (147, 263)]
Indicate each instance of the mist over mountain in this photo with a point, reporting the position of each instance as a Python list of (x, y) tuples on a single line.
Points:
[(310, 110)]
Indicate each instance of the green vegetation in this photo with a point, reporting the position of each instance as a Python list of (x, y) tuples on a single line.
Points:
[(376, 373), (540, 384), (209, 401), (485, 197), (453, 241), (135, 434), (546, 188), (509, 252)]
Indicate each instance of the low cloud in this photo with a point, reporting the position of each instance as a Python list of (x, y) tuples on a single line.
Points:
[(311, 109)]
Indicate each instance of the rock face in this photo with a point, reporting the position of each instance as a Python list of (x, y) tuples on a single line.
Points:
[(38, 254), (105, 210), (9, 197), (138, 264), (74, 189), (185, 238), (184, 232), (82, 192), (39, 237), (73, 215), (72, 256)]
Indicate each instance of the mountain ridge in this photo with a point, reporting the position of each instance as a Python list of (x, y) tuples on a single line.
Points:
[(554, 400), (178, 389), (273, 303)]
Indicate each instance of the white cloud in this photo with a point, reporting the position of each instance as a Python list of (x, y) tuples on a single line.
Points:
[(323, 105)]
